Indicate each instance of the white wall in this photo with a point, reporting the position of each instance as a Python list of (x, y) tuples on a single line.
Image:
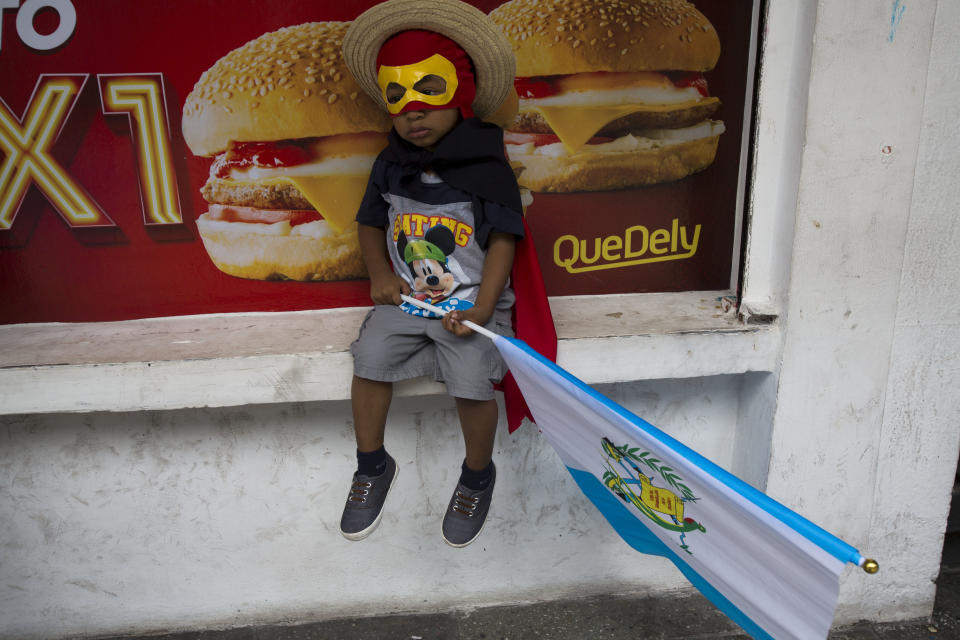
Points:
[(920, 433), (865, 435), (154, 520)]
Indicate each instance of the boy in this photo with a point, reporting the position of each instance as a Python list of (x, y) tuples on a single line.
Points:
[(439, 222)]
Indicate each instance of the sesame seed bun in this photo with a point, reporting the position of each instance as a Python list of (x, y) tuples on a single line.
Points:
[(287, 84), (241, 251), (552, 37), (555, 40)]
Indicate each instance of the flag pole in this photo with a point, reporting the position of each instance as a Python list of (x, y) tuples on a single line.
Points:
[(442, 312)]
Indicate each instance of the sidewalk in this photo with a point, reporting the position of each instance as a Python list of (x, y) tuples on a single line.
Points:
[(613, 618)]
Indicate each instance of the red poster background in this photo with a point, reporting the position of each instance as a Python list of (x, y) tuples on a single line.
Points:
[(52, 273)]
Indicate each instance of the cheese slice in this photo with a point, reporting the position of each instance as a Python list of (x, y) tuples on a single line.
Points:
[(575, 124), (336, 197)]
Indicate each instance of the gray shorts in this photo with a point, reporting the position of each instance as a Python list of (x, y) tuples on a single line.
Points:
[(394, 345)]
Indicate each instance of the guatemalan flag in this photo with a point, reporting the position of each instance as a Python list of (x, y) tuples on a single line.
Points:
[(766, 567)]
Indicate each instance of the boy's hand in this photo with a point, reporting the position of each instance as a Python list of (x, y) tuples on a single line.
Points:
[(496, 270), (453, 321), (385, 285), (386, 289)]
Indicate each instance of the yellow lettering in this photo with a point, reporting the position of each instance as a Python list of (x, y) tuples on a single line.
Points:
[(419, 220), (574, 254), (692, 246), (630, 253), (141, 99), (417, 224), (27, 159), (574, 245), (658, 238), (462, 234), (611, 244), (596, 251)]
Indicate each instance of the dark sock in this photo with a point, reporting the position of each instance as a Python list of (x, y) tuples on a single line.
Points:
[(476, 480), (373, 463)]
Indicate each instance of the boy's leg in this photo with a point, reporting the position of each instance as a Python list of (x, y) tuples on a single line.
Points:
[(377, 470), (467, 510), (371, 402), (478, 421), (392, 345)]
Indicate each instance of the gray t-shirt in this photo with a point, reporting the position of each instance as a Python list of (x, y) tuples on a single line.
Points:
[(434, 238)]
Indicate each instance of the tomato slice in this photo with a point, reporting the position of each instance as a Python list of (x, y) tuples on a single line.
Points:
[(695, 79), (532, 88), (538, 139), (231, 213), (279, 153), (290, 153)]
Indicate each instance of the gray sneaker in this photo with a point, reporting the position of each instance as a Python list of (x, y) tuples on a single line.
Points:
[(467, 513), (364, 506)]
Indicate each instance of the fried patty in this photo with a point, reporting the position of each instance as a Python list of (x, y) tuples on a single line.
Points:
[(529, 121), (261, 196)]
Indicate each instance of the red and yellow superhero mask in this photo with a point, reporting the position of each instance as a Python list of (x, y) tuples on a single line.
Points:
[(419, 70)]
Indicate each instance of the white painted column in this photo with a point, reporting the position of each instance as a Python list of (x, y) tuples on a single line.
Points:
[(781, 111), (920, 433), (847, 337)]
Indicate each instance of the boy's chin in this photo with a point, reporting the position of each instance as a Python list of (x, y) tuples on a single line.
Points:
[(428, 131), (423, 144)]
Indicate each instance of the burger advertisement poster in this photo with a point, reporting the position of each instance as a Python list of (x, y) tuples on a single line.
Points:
[(179, 157)]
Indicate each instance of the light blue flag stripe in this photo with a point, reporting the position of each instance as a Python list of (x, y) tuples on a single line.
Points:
[(625, 524), (833, 545)]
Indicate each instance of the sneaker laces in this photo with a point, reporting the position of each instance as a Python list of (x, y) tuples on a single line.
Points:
[(359, 490), (465, 504)]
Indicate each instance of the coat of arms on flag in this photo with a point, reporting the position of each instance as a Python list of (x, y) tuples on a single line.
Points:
[(652, 501)]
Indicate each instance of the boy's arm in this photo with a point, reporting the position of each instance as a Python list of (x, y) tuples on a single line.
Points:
[(496, 270), (385, 285)]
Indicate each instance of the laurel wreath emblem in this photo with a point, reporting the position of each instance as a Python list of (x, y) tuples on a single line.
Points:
[(665, 472)]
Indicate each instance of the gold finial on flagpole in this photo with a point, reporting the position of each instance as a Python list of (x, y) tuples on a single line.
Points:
[(870, 565)]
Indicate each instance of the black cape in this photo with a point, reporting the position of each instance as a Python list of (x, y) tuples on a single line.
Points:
[(471, 157)]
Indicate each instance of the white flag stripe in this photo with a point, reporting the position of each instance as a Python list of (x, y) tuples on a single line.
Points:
[(778, 578)]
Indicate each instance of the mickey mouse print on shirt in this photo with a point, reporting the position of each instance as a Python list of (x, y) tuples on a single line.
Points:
[(432, 270)]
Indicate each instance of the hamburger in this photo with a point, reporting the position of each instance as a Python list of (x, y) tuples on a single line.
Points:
[(612, 93), (294, 138)]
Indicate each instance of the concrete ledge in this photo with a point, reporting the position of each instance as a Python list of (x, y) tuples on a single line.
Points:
[(231, 360)]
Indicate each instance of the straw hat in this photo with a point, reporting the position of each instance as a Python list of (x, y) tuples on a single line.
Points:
[(483, 41)]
